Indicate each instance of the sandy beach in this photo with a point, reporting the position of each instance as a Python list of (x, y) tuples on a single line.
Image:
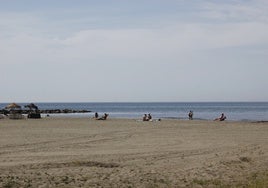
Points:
[(82, 152)]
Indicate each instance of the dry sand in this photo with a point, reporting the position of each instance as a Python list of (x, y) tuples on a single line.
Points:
[(82, 152)]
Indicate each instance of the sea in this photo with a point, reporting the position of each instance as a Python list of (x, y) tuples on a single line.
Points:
[(234, 111)]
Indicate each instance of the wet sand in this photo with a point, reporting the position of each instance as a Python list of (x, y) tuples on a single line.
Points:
[(82, 152)]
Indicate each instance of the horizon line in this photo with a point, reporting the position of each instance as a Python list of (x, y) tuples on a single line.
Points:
[(143, 102)]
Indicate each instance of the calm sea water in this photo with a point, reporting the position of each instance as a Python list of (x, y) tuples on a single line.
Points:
[(245, 111)]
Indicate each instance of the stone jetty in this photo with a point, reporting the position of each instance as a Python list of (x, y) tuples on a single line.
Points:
[(48, 111)]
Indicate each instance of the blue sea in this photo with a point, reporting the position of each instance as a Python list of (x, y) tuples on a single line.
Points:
[(235, 111)]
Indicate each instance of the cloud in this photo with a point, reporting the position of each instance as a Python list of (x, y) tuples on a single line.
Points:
[(183, 37), (123, 44), (236, 11), (179, 59), (213, 26)]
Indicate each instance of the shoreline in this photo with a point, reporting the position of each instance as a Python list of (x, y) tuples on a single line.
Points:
[(235, 111), (90, 116)]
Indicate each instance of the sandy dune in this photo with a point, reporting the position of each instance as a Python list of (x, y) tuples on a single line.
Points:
[(81, 152)]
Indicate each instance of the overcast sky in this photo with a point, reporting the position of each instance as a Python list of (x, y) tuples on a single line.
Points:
[(133, 50)]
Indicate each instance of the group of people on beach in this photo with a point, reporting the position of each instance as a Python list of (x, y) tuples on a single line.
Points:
[(148, 117), (104, 117), (221, 118)]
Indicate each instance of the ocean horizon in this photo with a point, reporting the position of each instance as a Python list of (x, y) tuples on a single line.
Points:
[(235, 111)]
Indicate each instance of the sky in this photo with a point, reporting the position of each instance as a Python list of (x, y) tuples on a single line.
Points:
[(133, 51)]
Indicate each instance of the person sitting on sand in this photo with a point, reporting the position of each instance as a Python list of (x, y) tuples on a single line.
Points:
[(145, 118), (150, 117), (104, 117), (222, 118), (96, 115)]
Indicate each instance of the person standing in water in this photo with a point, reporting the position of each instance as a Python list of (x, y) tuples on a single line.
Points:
[(190, 115)]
